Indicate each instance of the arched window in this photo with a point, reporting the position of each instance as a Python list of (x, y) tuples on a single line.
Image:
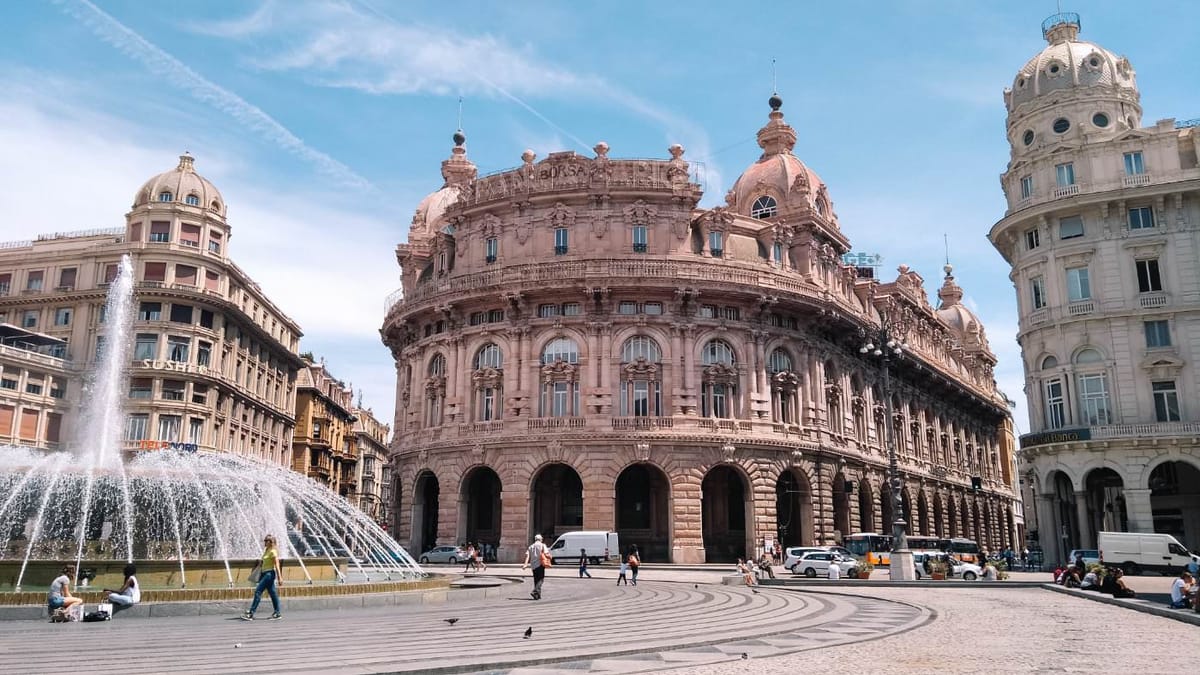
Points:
[(560, 349), (785, 386), (641, 378), (435, 390), (215, 206), (560, 379), (487, 380), (165, 196), (1095, 407), (1086, 356), (764, 207), (192, 200), (1049, 362), (718, 390)]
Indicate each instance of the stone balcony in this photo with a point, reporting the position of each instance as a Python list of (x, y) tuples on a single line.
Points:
[(1139, 431)]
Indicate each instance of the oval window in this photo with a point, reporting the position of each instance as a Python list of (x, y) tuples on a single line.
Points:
[(1061, 125), (1028, 137), (1021, 83), (1094, 62), (1054, 69), (1100, 120)]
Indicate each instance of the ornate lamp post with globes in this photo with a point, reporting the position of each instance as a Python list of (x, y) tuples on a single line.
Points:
[(884, 344)]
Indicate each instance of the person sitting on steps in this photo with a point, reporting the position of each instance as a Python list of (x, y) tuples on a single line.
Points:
[(60, 592), (130, 592)]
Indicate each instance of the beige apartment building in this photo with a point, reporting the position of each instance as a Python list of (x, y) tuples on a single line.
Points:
[(214, 360), (1101, 232), (578, 345), (324, 446), (371, 438)]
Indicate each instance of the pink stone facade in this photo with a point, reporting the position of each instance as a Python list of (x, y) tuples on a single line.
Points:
[(578, 345)]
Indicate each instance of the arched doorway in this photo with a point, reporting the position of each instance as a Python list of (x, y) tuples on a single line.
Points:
[(793, 511), (939, 529), (425, 513), (1175, 501), (643, 511), (1067, 531), (976, 527), (557, 502), (1105, 503), (906, 511), (986, 525), (479, 512), (723, 515), (922, 526), (965, 523), (887, 509), (866, 507), (841, 508), (1010, 530), (952, 515)]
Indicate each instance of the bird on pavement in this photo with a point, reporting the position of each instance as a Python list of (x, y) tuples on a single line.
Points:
[(451, 621), (745, 655), (754, 591), (695, 585), (529, 632)]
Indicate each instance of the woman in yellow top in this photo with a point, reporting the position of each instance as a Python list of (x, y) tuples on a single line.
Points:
[(269, 576)]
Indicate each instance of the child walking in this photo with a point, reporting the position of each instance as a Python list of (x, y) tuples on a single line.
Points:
[(624, 569), (583, 570)]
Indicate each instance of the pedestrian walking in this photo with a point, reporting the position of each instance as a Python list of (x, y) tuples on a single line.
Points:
[(479, 559), (624, 570), (583, 570), (1025, 559), (634, 563), (269, 576), (538, 559), (470, 557)]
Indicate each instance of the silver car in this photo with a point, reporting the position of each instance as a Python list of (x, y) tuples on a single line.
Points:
[(443, 554)]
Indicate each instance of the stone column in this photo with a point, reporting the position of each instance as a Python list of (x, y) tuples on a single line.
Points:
[(514, 525), (687, 527), (1085, 521), (1048, 530), (1138, 510), (599, 506)]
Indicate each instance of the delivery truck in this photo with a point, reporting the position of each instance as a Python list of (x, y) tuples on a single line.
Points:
[(597, 545), (1135, 552)]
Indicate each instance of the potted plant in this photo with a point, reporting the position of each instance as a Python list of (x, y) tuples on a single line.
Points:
[(937, 570), (862, 570)]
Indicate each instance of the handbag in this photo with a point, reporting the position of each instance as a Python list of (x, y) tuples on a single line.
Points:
[(547, 561), (255, 574)]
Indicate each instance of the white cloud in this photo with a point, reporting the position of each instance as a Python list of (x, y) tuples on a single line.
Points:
[(177, 74)]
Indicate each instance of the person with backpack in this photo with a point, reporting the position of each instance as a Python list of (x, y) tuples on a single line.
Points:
[(537, 557), (634, 563)]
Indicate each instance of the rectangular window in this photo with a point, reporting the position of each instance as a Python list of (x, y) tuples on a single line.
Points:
[(1166, 402), (491, 248), (140, 387), (560, 405), (654, 308), (135, 427), (189, 235), (35, 280), (1133, 164), (206, 318), (561, 241), (572, 309), (203, 353), (181, 313), (66, 279), (200, 394), (475, 319), (62, 316), (640, 238), (1158, 333), (214, 242), (1064, 174), (716, 245), (487, 407), (1037, 289), (29, 319), (5, 283), (102, 314), (547, 311), (1149, 280), (150, 311), (731, 313), (195, 430), (32, 387), (160, 231), (1026, 187), (708, 311), (1141, 218), (1033, 239), (177, 348), (626, 307), (155, 271), (99, 346), (168, 427), (185, 275), (1070, 227), (110, 273), (172, 390), (145, 347), (8, 383), (212, 281), (777, 253), (1093, 400), (1079, 286)]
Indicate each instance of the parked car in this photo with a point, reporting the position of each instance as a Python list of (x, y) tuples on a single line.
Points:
[(1091, 556), (443, 554), (816, 563), (963, 570), (793, 553), (600, 546)]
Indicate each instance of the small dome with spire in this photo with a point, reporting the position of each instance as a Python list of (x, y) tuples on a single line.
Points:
[(181, 185), (778, 183), (956, 315), (457, 171)]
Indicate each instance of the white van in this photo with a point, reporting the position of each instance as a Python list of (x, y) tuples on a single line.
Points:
[(1134, 552), (600, 546)]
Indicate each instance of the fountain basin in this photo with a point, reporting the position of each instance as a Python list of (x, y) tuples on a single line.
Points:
[(164, 574)]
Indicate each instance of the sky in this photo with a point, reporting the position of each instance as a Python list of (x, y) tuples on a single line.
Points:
[(324, 123)]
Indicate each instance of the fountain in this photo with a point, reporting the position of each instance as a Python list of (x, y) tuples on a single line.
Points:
[(187, 519)]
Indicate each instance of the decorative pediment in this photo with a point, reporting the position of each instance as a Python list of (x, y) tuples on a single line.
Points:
[(490, 225), (717, 219), (560, 371), (641, 369), (435, 385), (487, 377), (640, 213), (785, 381), (833, 390), (560, 215), (1162, 365), (720, 373)]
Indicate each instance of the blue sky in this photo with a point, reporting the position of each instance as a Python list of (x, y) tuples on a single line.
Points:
[(324, 123)]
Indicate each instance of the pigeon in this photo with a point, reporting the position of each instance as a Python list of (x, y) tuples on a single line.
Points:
[(529, 632), (695, 585), (451, 621), (237, 645), (745, 655)]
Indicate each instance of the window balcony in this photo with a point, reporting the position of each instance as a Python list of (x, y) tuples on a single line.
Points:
[(489, 259), (1152, 300), (1066, 191), (1135, 180), (539, 423), (1081, 307), (718, 252), (1038, 316), (624, 423), (639, 248), (560, 250)]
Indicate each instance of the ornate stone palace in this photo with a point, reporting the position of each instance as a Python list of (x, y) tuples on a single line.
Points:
[(1101, 235), (579, 346)]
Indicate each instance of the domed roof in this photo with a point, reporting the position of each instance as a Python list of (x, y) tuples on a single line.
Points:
[(778, 175), (457, 171), (956, 315), (183, 185), (1068, 63)]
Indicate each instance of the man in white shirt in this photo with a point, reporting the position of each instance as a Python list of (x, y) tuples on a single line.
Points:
[(1182, 590), (533, 558)]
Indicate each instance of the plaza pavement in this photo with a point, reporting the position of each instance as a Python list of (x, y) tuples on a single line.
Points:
[(676, 619)]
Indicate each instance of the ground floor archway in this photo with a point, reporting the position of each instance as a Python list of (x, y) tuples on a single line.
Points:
[(841, 507), (922, 526), (793, 510), (556, 502), (480, 513), (866, 507), (425, 512), (643, 511), (1175, 501), (723, 515)]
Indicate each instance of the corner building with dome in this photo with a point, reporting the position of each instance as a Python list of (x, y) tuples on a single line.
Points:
[(578, 345), (1101, 233)]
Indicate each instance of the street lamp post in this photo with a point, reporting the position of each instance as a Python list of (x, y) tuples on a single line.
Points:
[(886, 347)]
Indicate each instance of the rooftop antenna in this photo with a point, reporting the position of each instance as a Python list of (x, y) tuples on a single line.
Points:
[(774, 81), (946, 241), (460, 99)]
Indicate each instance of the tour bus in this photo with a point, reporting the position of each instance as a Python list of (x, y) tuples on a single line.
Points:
[(871, 547), (877, 548), (965, 550)]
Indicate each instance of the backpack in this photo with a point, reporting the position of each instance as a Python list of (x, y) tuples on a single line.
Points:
[(99, 615)]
